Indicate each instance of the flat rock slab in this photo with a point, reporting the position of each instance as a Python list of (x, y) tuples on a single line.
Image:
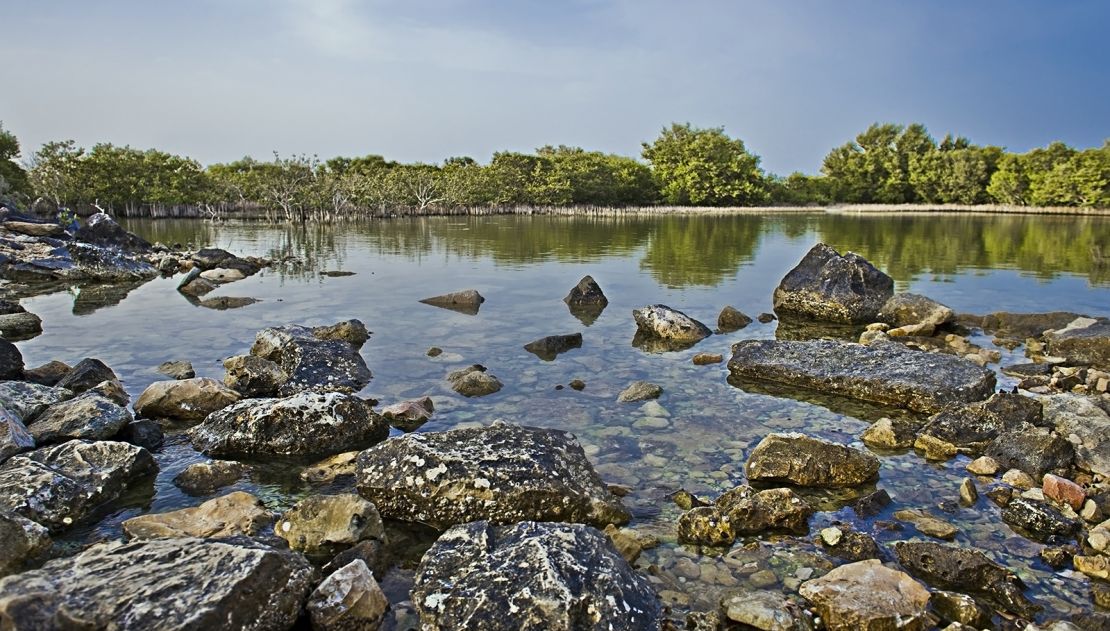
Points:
[(807, 461), (181, 583), (887, 373), (501, 472), (531, 576), (1085, 341)]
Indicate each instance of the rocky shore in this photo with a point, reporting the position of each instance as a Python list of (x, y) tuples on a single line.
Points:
[(508, 524)]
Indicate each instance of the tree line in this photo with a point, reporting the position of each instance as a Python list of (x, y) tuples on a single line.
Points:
[(684, 165)]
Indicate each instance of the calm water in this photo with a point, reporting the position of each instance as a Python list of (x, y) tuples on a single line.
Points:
[(524, 266)]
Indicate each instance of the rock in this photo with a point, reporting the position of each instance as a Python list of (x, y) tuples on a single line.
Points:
[(232, 515), (531, 576), (967, 571), (1018, 479), (408, 416), (1084, 342), (969, 428), (111, 390), (21, 540), (1099, 537), (467, 301), (1021, 325), (473, 381), (20, 326), (349, 598), (177, 369), (935, 448), (866, 595), (1093, 566), (211, 258), (766, 318), (221, 275), (984, 465), (193, 285), (185, 400), (586, 293), (828, 287), (100, 229), (36, 259), (161, 584), (253, 376), (705, 359), (143, 433), (628, 542), (1100, 594), (500, 472), (732, 319), (1058, 557), (640, 391), (88, 373), (312, 363), (1014, 409), (968, 493), (11, 361), (851, 545), (1035, 451), (352, 331), (324, 525), (307, 424), (28, 400), (14, 437), (806, 461), (1063, 491), (547, 348), (660, 321), (35, 229), (87, 416), (959, 608), (707, 526), (48, 374), (765, 610), (887, 433), (1078, 416), (928, 524), (831, 535), (434, 351), (336, 273), (60, 485), (577, 384), (201, 478), (885, 372), (331, 468), (910, 309), (1038, 519), (744, 511)]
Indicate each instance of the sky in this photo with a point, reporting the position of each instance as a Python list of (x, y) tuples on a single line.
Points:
[(422, 80)]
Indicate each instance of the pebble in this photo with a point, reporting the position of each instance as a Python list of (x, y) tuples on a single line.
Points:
[(831, 535), (1019, 479), (983, 465)]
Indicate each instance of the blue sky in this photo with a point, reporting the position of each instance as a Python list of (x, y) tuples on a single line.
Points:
[(422, 80)]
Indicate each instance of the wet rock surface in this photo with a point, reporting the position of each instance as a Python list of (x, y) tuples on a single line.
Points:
[(806, 461), (232, 515), (473, 381), (1079, 416), (500, 472), (200, 478), (86, 374), (348, 598), (531, 575), (640, 391), (161, 583), (828, 287), (910, 309), (1034, 451), (467, 301), (306, 424), (732, 319), (89, 416), (1038, 519), (325, 525), (869, 596), (184, 400), (670, 325), (408, 416), (548, 348), (744, 511), (964, 570), (884, 372), (312, 362)]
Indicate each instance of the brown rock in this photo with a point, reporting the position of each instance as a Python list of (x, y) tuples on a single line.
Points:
[(704, 359), (868, 596), (1063, 491), (232, 515), (184, 400)]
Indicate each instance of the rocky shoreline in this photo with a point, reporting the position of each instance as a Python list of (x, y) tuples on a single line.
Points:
[(521, 530)]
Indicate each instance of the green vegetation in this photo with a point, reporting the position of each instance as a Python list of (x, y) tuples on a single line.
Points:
[(684, 165)]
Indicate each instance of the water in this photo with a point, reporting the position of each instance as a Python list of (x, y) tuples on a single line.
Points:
[(524, 266)]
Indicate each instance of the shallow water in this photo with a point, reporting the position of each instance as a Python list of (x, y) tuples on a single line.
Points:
[(524, 266)]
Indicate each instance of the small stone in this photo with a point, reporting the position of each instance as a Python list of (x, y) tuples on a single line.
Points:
[(1063, 491), (348, 599), (177, 369), (766, 318), (1019, 479), (983, 465), (408, 416), (577, 384), (732, 319), (1100, 593), (935, 448), (1090, 511), (705, 359), (968, 493), (640, 391), (200, 478), (1001, 495), (928, 524), (1058, 557), (887, 433), (872, 504), (434, 351), (232, 515), (831, 535), (1093, 566), (474, 381)]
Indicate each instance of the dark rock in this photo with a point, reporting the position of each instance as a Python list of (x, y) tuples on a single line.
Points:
[(21, 540), (766, 318), (854, 546), (306, 424), (48, 374), (143, 433), (968, 427), (58, 486), (201, 478), (370, 551), (1020, 325), (828, 287), (211, 258), (177, 370), (732, 319), (884, 372), (100, 229), (1034, 451), (473, 381), (11, 361), (408, 416), (467, 301), (1028, 370), (1058, 557), (193, 285), (87, 416), (28, 400), (1038, 519), (111, 390), (20, 326), (531, 576), (891, 433), (161, 584), (44, 258), (577, 384), (1084, 343), (336, 273), (253, 376), (86, 374), (706, 359), (909, 309), (807, 461), (872, 504), (349, 598), (547, 348), (1015, 409), (312, 363), (14, 437), (967, 571), (223, 303), (184, 400), (587, 293), (660, 321), (500, 472)]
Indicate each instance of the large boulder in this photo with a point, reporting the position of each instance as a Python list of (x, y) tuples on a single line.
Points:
[(27, 400), (1074, 415), (868, 596), (60, 485), (1084, 342), (325, 525), (807, 461), (233, 515), (305, 424), (314, 359), (19, 325), (909, 309), (14, 437), (828, 287), (21, 540), (967, 571), (181, 583), (100, 229), (89, 416), (185, 400), (885, 372), (500, 472), (11, 361), (660, 321), (531, 576), (348, 599)]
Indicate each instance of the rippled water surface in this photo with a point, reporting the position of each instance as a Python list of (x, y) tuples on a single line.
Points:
[(524, 266)]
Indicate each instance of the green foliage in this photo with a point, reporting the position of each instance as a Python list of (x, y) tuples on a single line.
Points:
[(704, 167), (13, 179), (798, 189), (875, 168)]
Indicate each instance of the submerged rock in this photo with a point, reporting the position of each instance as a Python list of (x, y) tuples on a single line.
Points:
[(964, 570), (186, 400), (45, 258), (765, 610), (640, 391), (828, 287), (200, 478), (660, 321), (60, 485), (806, 461), (161, 584), (312, 363), (500, 472), (548, 348), (531, 576), (467, 301), (884, 372), (408, 416), (143, 433), (866, 595), (305, 424), (87, 416), (473, 381), (232, 515), (349, 598), (324, 525)]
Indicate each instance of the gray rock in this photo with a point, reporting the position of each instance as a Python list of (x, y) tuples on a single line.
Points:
[(60, 485), (11, 361), (909, 309), (1074, 415), (531, 576), (587, 293), (548, 348), (766, 610), (161, 584), (1084, 342), (325, 525), (306, 424), (177, 369), (1035, 451), (20, 326), (28, 400), (88, 416), (660, 321), (348, 599), (14, 437), (1038, 519), (1020, 325), (640, 391), (144, 433), (88, 373), (253, 376), (473, 381), (968, 427), (732, 319), (36, 259), (312, 363), (184, 400), (100, 229), (21, 540), (500, 472), (884, 372), (806, 461), (408, 416), (211, 258), (201, 478), (828, 287), (48, 374), (352, 331), (467, 301)]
